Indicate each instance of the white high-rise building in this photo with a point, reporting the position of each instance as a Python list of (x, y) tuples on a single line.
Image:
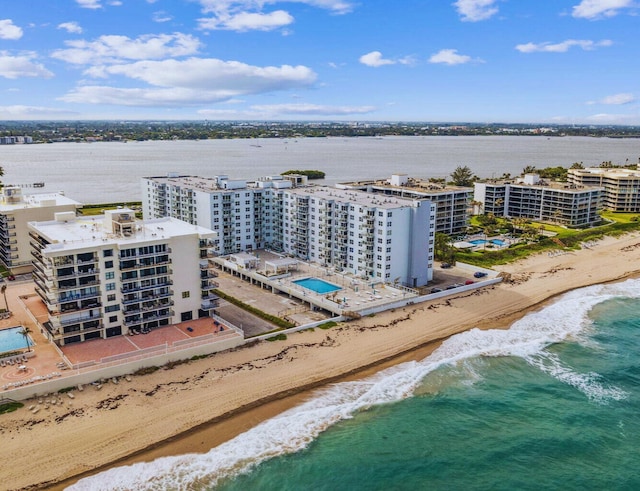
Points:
[(371, 236), (105, 276), (16, 211)]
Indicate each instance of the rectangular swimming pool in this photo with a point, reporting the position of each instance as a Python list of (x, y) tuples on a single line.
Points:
[(12, 340), (497, 242), (317, 285)]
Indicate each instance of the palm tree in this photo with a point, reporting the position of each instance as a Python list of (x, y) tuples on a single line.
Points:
[(25, 332), (3, 290)]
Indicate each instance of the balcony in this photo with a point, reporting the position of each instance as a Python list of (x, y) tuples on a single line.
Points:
[(67, 321)]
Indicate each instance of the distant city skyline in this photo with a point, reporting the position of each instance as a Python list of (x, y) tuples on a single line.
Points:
[(524, 61)]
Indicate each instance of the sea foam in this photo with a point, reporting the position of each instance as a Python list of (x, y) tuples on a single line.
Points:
[(296, 428)]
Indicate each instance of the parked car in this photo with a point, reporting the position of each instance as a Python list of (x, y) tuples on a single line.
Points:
[(445, 265), (436, 290), (11, 277), (479, 274), (469, 282)]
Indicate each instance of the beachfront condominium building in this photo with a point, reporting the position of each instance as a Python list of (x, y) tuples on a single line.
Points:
[(388, 240), (110, 275), (536, 199), (16, 211), (621, 186), (348, 230), (452, 202)]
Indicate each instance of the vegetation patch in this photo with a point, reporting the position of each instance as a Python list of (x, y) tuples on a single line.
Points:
[(146, 370), (328, 325), (278, 337), (311, 174), (274, 319), (9, 407)]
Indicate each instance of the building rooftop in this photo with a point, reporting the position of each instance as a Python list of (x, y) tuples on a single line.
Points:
[(534, 181), (611, 171), (12, 199), (418, 185), (115, 227), (353, 196)]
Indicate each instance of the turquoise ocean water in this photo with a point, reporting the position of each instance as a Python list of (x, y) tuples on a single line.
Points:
[(551, 403)]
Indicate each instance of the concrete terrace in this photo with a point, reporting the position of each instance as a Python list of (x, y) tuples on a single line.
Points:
[(355, 294)]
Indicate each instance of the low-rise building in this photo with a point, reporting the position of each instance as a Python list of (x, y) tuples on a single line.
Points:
[(16, 211), (537, 199), (621, 186), (106, 276)]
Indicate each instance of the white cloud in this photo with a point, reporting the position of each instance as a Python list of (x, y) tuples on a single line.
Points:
[(192, 81), (89, 4), (111, 49), (33, 112), (476, 10), (13, 67), (72, 27), (247, 21), (8, 30), (161, 16), (595, 9), (225, 6), (375, 59), (449, 57), (245, 15), (313, 109), (616, 99), (562, 47), (604, 118)]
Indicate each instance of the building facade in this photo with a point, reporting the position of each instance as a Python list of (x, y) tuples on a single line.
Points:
[(621, 186), (534, 199), (16, 211), (111, 275), (452, 202), (349, 230)]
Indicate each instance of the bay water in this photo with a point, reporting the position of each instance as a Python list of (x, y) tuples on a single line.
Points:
[(106, 172), (550, 403)]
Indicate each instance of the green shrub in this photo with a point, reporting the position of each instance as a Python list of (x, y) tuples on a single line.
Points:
[(278, 337), (9, 407), (285, 324)]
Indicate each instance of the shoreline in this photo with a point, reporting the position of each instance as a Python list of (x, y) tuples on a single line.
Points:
[(244, 383), (236, 420)]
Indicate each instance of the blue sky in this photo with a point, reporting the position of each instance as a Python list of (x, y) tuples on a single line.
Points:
[(514, 61)]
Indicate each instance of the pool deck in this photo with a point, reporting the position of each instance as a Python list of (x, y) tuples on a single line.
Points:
[(46, 361), (355, 294)]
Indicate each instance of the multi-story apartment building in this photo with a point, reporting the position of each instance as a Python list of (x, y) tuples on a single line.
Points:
[(106, 276), (621, 186), (535, 199), (246, 215), (348, 230), (452, 202), (361, 233), (16, 210)]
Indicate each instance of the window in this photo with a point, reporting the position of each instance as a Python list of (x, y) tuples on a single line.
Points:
[(110, 287), (186, 295), (112, 308), (109, 275), (113, 318), (186, 316), (107, 252), (111, 297), (108, 264)]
